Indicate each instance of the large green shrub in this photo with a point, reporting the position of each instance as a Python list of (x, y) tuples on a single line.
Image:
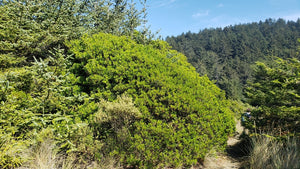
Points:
[(183, 114)]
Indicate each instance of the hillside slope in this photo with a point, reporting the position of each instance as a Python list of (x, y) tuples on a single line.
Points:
[(226, 55)]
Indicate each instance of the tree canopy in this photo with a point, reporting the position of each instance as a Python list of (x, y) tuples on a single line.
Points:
[(33, 27), (275, 93), (225, 54)]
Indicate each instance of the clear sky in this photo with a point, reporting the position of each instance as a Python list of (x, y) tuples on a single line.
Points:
[(173, 17)]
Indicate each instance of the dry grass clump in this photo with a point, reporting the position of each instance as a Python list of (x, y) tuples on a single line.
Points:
[(45, 156), (270, 153)]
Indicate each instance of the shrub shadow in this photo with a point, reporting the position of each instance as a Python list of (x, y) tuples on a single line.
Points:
[(241, 150)]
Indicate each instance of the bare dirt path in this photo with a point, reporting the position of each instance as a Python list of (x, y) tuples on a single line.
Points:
[(231, 159)]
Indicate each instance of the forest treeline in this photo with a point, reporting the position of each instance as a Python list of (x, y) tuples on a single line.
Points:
[(225, 55)]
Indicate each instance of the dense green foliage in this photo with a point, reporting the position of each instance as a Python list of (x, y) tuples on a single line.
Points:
[(33, 99), (275, 92), (33, 27), (183, 115), (225, 55), (103, 96), (178, 116)]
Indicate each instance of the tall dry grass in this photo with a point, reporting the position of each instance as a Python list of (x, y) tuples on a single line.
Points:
[(46, 156), (270, 153)]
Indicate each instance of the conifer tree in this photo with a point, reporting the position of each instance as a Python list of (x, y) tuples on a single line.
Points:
[(33, 27), (275, 92)]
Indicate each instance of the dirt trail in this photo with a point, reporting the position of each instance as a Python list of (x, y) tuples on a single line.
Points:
[(229, 160)]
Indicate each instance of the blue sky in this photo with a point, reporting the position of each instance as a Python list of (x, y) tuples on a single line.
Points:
[(173, 17)]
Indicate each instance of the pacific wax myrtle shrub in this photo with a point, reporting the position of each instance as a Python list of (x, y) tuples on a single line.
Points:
[(183, 115)]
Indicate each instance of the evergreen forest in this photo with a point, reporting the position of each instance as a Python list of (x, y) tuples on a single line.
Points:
[(226, 55), (86, 84)]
